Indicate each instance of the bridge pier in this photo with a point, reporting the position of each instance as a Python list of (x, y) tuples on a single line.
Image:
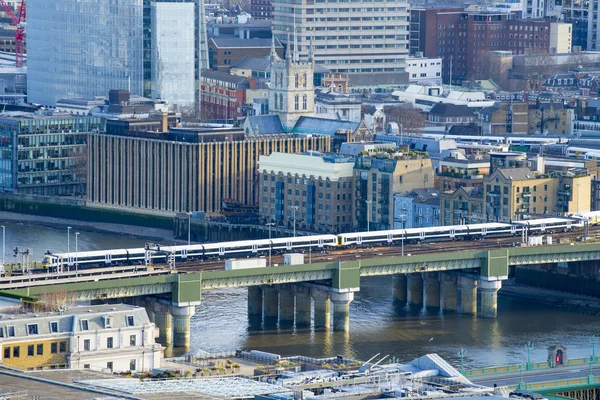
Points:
[(488, 293), (467, 295), (449, 292), (431, 290), (303, 304), (164, 323), (415, 289), (286, 304), (400, 289), (322, 311), (181, 325), (271, 302), (255, 301), (341, 310)]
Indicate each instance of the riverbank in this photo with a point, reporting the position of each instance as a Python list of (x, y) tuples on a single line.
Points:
[(573, 302), (87, 226)]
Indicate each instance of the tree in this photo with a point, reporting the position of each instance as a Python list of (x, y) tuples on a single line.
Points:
[(409, 119), (536, 69)]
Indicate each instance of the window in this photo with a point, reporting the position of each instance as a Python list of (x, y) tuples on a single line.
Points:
[(304, 102), (132, 365), (10, 331), (130, 320), (1, 332), (54, 348), (109, 343), (32, 329), (30, 350), (109, 365), (85, 325), (62, 347), (39, 350), (7, 352), (297, 102), (16, 352), (132, 340), (86, 344), (53, 327), (86, 366)]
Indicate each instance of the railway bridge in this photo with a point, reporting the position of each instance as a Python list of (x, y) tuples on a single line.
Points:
[(452, 281)]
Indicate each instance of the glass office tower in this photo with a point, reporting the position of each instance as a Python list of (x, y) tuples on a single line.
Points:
[(83, 49)]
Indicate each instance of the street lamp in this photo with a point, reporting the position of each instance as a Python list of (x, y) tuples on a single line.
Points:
[(76, 252), (369, 202), (462, 353), (521, 382), (403, 216), (270, 224), (3, 246), (529, 346), (68, 247), (593, 341)]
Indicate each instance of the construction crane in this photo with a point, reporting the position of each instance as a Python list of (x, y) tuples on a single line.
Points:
[(19, 22)]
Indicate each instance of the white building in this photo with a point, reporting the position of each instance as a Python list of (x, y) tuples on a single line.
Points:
[(337, 106), (425, 97), (358, 37), (424, 71), (118, 338)]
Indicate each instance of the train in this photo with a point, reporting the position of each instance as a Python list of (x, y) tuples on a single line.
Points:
[(243, 248)]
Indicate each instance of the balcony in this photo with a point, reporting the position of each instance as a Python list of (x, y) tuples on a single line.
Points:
[(494, 194), (526, 194), (564, 192)]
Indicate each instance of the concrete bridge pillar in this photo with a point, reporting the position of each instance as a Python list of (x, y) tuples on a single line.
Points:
[(255, 301), (181, 325), (303, 304), (488, 291), (400, 289), (467, 295), (449, 292), (415, 288), (271, 300), (322, 308), (164, 323), (286, 304), (431, 289), (341, 310)]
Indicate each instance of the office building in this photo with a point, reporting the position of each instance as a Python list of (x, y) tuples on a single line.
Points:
[(358, 38), (181, 169), (44, 154), (83, 49), (465, 39), (113, 338), (311, 190), (518, 193), (261, 9), (378, 178)]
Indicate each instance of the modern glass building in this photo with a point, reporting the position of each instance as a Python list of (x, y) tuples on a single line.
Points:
[(82, 49), (44, 154)]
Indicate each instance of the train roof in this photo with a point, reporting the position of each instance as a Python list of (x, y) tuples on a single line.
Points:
[(96, 253), (536, 222), (490, 225)]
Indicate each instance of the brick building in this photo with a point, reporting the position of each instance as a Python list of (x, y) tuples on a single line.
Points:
[(223, 52), (261, 9), (464, 39), (222, 95)]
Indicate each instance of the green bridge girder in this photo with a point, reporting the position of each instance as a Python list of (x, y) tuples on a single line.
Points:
[(186, 288)]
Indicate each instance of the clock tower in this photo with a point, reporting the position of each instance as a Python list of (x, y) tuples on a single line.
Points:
[(291, 89)]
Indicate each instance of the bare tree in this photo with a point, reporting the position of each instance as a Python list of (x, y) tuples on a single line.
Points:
[(410, 119), (580, 61), (537, 68)]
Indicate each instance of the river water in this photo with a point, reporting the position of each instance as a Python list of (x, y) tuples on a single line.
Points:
[(376, 325)]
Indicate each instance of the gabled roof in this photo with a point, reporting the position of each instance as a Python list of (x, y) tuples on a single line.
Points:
[(323, 126), (241, 81), (265, 124), (253, 63), (236, 43)]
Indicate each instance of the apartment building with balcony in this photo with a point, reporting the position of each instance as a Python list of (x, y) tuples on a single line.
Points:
[(378, 178), (462, 206), (459, 170)]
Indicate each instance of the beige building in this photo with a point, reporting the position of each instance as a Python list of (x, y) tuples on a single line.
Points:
[(311, 190), (184, 169), (378, 178), (462, 206), (518, 193), (504, 118), (550, 118)]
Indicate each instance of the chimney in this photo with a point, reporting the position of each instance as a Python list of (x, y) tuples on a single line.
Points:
[(252, 82), (164, 126)]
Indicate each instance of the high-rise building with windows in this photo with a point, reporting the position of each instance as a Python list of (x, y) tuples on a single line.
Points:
[(83, 49), (364, 37)]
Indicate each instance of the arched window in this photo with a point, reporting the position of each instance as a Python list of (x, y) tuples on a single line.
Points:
[(297, 102), (304, 79), (296, 79), (304, 102)]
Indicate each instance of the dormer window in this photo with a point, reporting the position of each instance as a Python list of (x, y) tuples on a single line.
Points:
[(85, 325), (108, 322), (10, 331), (54, 327), (32, 329), (130, 320)]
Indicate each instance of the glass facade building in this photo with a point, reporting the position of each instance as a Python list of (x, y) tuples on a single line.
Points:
[(44, 155)]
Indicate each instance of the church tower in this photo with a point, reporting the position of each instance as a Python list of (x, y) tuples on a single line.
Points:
[(291, 90)]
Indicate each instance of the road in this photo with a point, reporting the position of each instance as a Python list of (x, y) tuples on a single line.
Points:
[(535, 376)]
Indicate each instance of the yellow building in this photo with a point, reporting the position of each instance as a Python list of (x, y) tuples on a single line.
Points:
[(518, 193), (462, 206), (551, 118), (378, 178)]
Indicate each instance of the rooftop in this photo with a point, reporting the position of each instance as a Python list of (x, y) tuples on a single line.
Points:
[(517, 174), (236, 43)]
